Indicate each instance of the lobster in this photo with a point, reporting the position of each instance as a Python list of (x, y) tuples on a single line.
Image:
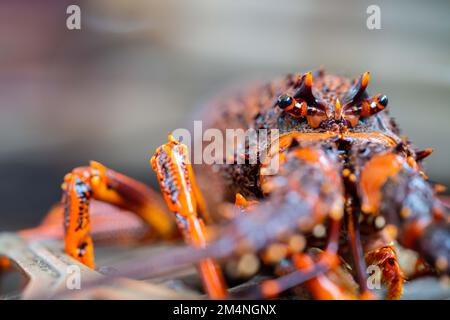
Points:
[(347, 190)]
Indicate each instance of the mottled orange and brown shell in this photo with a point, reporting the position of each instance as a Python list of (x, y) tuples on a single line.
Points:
[(348, 188)]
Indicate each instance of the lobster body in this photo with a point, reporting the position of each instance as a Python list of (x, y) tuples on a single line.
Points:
[(380, 173), (346, 186)]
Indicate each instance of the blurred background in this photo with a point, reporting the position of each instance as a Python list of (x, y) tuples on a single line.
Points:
[(139, 69)]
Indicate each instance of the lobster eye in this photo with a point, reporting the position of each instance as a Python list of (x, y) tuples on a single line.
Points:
[(383, 100), (284, 101)]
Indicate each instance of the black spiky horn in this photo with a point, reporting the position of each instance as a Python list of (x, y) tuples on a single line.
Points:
[(358, 91), (304, 91), (420, 155)]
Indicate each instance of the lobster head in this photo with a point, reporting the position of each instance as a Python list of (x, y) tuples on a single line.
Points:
[(331, 102)]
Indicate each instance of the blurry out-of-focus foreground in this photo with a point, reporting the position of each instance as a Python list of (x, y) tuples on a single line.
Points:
[(138, 69)]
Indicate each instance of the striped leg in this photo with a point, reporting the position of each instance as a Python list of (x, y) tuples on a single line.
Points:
[(180, 191), (98, 182)]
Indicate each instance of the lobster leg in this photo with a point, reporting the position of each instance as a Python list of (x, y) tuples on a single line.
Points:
[(269, 289), (306, 192), (321, 287), (386, 259), (357, 251), (308, 179), (98, 182), (392, 185), (326, 162), (110, 224), (306, 270), (180, 191)]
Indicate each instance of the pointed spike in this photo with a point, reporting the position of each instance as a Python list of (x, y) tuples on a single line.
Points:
[(420, 155), (358, 91), (337, 113), (308, 79), (365, 79), (361, 84), (240, 201), (304, 91)]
